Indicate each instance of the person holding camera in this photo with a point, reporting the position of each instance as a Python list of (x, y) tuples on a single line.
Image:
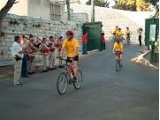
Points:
[(17, 55)]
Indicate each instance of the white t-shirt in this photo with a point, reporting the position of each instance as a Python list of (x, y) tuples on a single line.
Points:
[(15, 49), (139, 32)]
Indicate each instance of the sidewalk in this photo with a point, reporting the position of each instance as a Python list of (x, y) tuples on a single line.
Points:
[(144, 59), (8, 71)]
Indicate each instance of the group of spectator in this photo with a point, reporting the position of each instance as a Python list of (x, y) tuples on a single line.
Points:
[(118, 34), (24, 51)]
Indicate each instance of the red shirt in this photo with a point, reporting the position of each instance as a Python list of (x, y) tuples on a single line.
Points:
[(102, 38), (85, 38)]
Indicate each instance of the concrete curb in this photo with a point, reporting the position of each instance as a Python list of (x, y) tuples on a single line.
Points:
[(38, 65), (141, 60)]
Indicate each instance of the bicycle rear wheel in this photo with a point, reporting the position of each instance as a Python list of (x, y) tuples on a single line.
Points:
[(78, 83), (62, 83), (117, 65)]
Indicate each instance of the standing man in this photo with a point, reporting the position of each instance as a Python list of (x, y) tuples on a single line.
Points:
[(103, 44), (31, 55), (58, 45), (51, 53), (24, 44), (84, 42), (140, 36), (45, 53), (17, 55)]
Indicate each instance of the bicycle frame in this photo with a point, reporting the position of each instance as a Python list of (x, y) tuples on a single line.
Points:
[(128, 39), (65, 78), (118, 61), (68, 68)]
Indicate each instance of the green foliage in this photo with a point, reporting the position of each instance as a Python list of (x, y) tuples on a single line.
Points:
[(96, 2), (126, 5), (143, 6), (134, 5), (153, 2)]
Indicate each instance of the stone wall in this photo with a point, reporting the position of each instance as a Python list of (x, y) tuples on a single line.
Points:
[(19, 25)]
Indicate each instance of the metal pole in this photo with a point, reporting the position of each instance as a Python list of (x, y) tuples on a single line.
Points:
[(93, 11), (68, 8)]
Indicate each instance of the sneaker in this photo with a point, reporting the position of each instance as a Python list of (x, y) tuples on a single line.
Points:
[(26, 76), (45, 70), (17, 83), (70, 81), (61, 66), (74, 79)]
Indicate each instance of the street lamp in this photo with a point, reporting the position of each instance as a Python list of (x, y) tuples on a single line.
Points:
[(68, 8), (93, 11)]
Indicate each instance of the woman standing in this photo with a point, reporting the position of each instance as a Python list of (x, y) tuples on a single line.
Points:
[(140, 36)]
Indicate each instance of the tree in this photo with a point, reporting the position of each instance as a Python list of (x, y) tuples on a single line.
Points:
[(135, 5), (96, 2), (126, 5), (4, 11)]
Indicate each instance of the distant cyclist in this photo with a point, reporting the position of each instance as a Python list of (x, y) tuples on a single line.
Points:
[(118, 50), (114, 32), (119, 34), (128, 34), (71, 45)]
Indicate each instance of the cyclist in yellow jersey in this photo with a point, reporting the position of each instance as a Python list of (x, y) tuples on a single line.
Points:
[(71, 45), (128, 33), (118, 48), (119, 33), (115, 30)]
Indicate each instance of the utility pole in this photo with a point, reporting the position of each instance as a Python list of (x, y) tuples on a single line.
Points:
[(93, 11), (68, 8)]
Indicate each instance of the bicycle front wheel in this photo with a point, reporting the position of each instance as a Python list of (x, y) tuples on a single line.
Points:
[(78, 82), (62, 83)]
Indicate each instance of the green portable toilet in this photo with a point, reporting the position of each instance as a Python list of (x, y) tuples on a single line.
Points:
[(94, 30), (152, 37), (151, 30)]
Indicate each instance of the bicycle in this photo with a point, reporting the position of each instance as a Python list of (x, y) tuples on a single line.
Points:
[(65, 78), (112, 38), (118, 63), (128, 39)]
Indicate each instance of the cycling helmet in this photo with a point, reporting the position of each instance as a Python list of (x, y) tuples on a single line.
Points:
[(117, 39), (69, 32)]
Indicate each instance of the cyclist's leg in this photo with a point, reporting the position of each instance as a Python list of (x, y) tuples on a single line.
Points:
[(76, 61), (116, 56), (121, 58), (69, 63)]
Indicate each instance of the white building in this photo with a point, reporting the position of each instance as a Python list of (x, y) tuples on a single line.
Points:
[(45, 9)]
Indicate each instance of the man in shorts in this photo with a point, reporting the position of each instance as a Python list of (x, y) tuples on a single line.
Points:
[(71, 45)]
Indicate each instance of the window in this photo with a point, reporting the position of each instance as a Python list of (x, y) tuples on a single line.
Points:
[(55, 12)]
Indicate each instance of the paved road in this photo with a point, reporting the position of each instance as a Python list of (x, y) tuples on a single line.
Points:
[(131, 94)]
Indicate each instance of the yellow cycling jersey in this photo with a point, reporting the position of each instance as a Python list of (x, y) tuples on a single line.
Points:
[(115, 30), (128, 32), (70, 46), (119, 34), (118, 47)]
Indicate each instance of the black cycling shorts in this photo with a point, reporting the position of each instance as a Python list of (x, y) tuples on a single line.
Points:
[(76, 58)]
